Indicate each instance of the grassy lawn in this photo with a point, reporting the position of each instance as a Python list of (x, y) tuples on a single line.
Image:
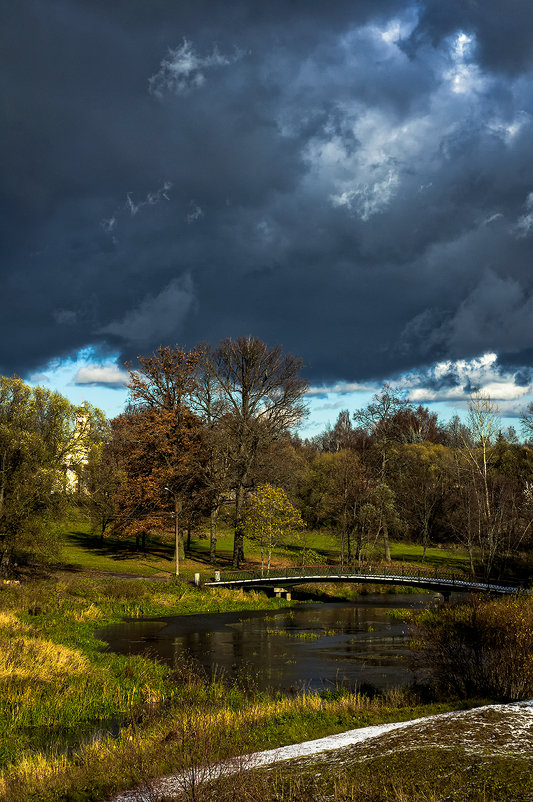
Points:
[(451, 559), (81, 550)]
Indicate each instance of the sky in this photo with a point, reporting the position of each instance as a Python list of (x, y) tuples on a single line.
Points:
[(350, 180)]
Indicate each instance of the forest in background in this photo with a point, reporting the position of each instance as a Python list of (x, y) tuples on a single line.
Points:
[(209, 436)]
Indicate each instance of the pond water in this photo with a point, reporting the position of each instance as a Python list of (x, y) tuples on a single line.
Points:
[(311, 646)]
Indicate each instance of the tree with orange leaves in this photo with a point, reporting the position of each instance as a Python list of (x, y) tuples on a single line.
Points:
[(159, 444), (158, 458)]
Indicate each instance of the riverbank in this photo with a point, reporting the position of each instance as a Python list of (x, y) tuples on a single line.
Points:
[(81, 724)]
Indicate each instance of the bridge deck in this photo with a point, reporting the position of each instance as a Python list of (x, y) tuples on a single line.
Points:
[(440, 581)]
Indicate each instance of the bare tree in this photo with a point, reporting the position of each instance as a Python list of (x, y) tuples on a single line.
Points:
[(212, 409), (262, 395), (526, 422), (383, 421), (483, 519)]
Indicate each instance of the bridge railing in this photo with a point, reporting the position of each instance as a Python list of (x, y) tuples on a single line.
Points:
[(368, 571)]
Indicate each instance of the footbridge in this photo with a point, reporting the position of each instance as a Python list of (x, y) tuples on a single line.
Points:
[(438, 580)]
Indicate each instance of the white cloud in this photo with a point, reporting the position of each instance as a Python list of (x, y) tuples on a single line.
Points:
[(464, 75), (367, 200), (509, 130), (183, 70), (491, 218), (454, 381), (109, 225), (110, 375), (151, 199)]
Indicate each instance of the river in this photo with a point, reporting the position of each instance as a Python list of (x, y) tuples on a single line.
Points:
[(306, 647)]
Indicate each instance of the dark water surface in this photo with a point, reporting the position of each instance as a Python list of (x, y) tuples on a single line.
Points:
[(312, 646)]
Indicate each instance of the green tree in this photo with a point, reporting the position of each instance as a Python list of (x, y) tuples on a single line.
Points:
[(102, 478), (380, 516), (42, 437), (270, 519), (421, 476)]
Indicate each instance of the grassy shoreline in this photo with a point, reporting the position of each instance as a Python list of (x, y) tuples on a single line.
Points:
[(56, 681)]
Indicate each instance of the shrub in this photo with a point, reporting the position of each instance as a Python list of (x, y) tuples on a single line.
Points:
[(481, 647)]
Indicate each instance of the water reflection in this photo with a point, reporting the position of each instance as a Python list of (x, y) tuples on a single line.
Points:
[(311, 646)]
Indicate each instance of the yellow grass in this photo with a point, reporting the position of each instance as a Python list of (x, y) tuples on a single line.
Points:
[(25, 656), (90, 613)]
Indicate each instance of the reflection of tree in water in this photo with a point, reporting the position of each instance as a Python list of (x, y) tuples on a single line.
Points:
[(313, 647)]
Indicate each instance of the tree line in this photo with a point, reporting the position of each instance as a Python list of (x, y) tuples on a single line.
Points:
[(210, 433)]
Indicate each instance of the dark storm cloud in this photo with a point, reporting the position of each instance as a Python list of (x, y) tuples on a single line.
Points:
[(502, 30), (352, 180)]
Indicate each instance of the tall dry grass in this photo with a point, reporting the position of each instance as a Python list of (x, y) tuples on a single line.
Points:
[(25, 656)]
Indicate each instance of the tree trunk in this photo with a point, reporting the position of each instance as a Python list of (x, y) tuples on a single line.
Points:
[(238, 542), (425, 540), (358, 549), (6, 562), (386, 543), (213, 536), (349, 545)]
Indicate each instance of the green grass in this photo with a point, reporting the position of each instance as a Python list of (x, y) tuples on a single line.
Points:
[(423, 774), (47, 700), (57, 685), (82, 550), (448, 558)]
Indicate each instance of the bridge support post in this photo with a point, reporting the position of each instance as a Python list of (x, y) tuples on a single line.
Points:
[(279, 592)]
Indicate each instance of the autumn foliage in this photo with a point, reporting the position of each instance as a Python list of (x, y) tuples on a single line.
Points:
[(159, 456), (208, 430)]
